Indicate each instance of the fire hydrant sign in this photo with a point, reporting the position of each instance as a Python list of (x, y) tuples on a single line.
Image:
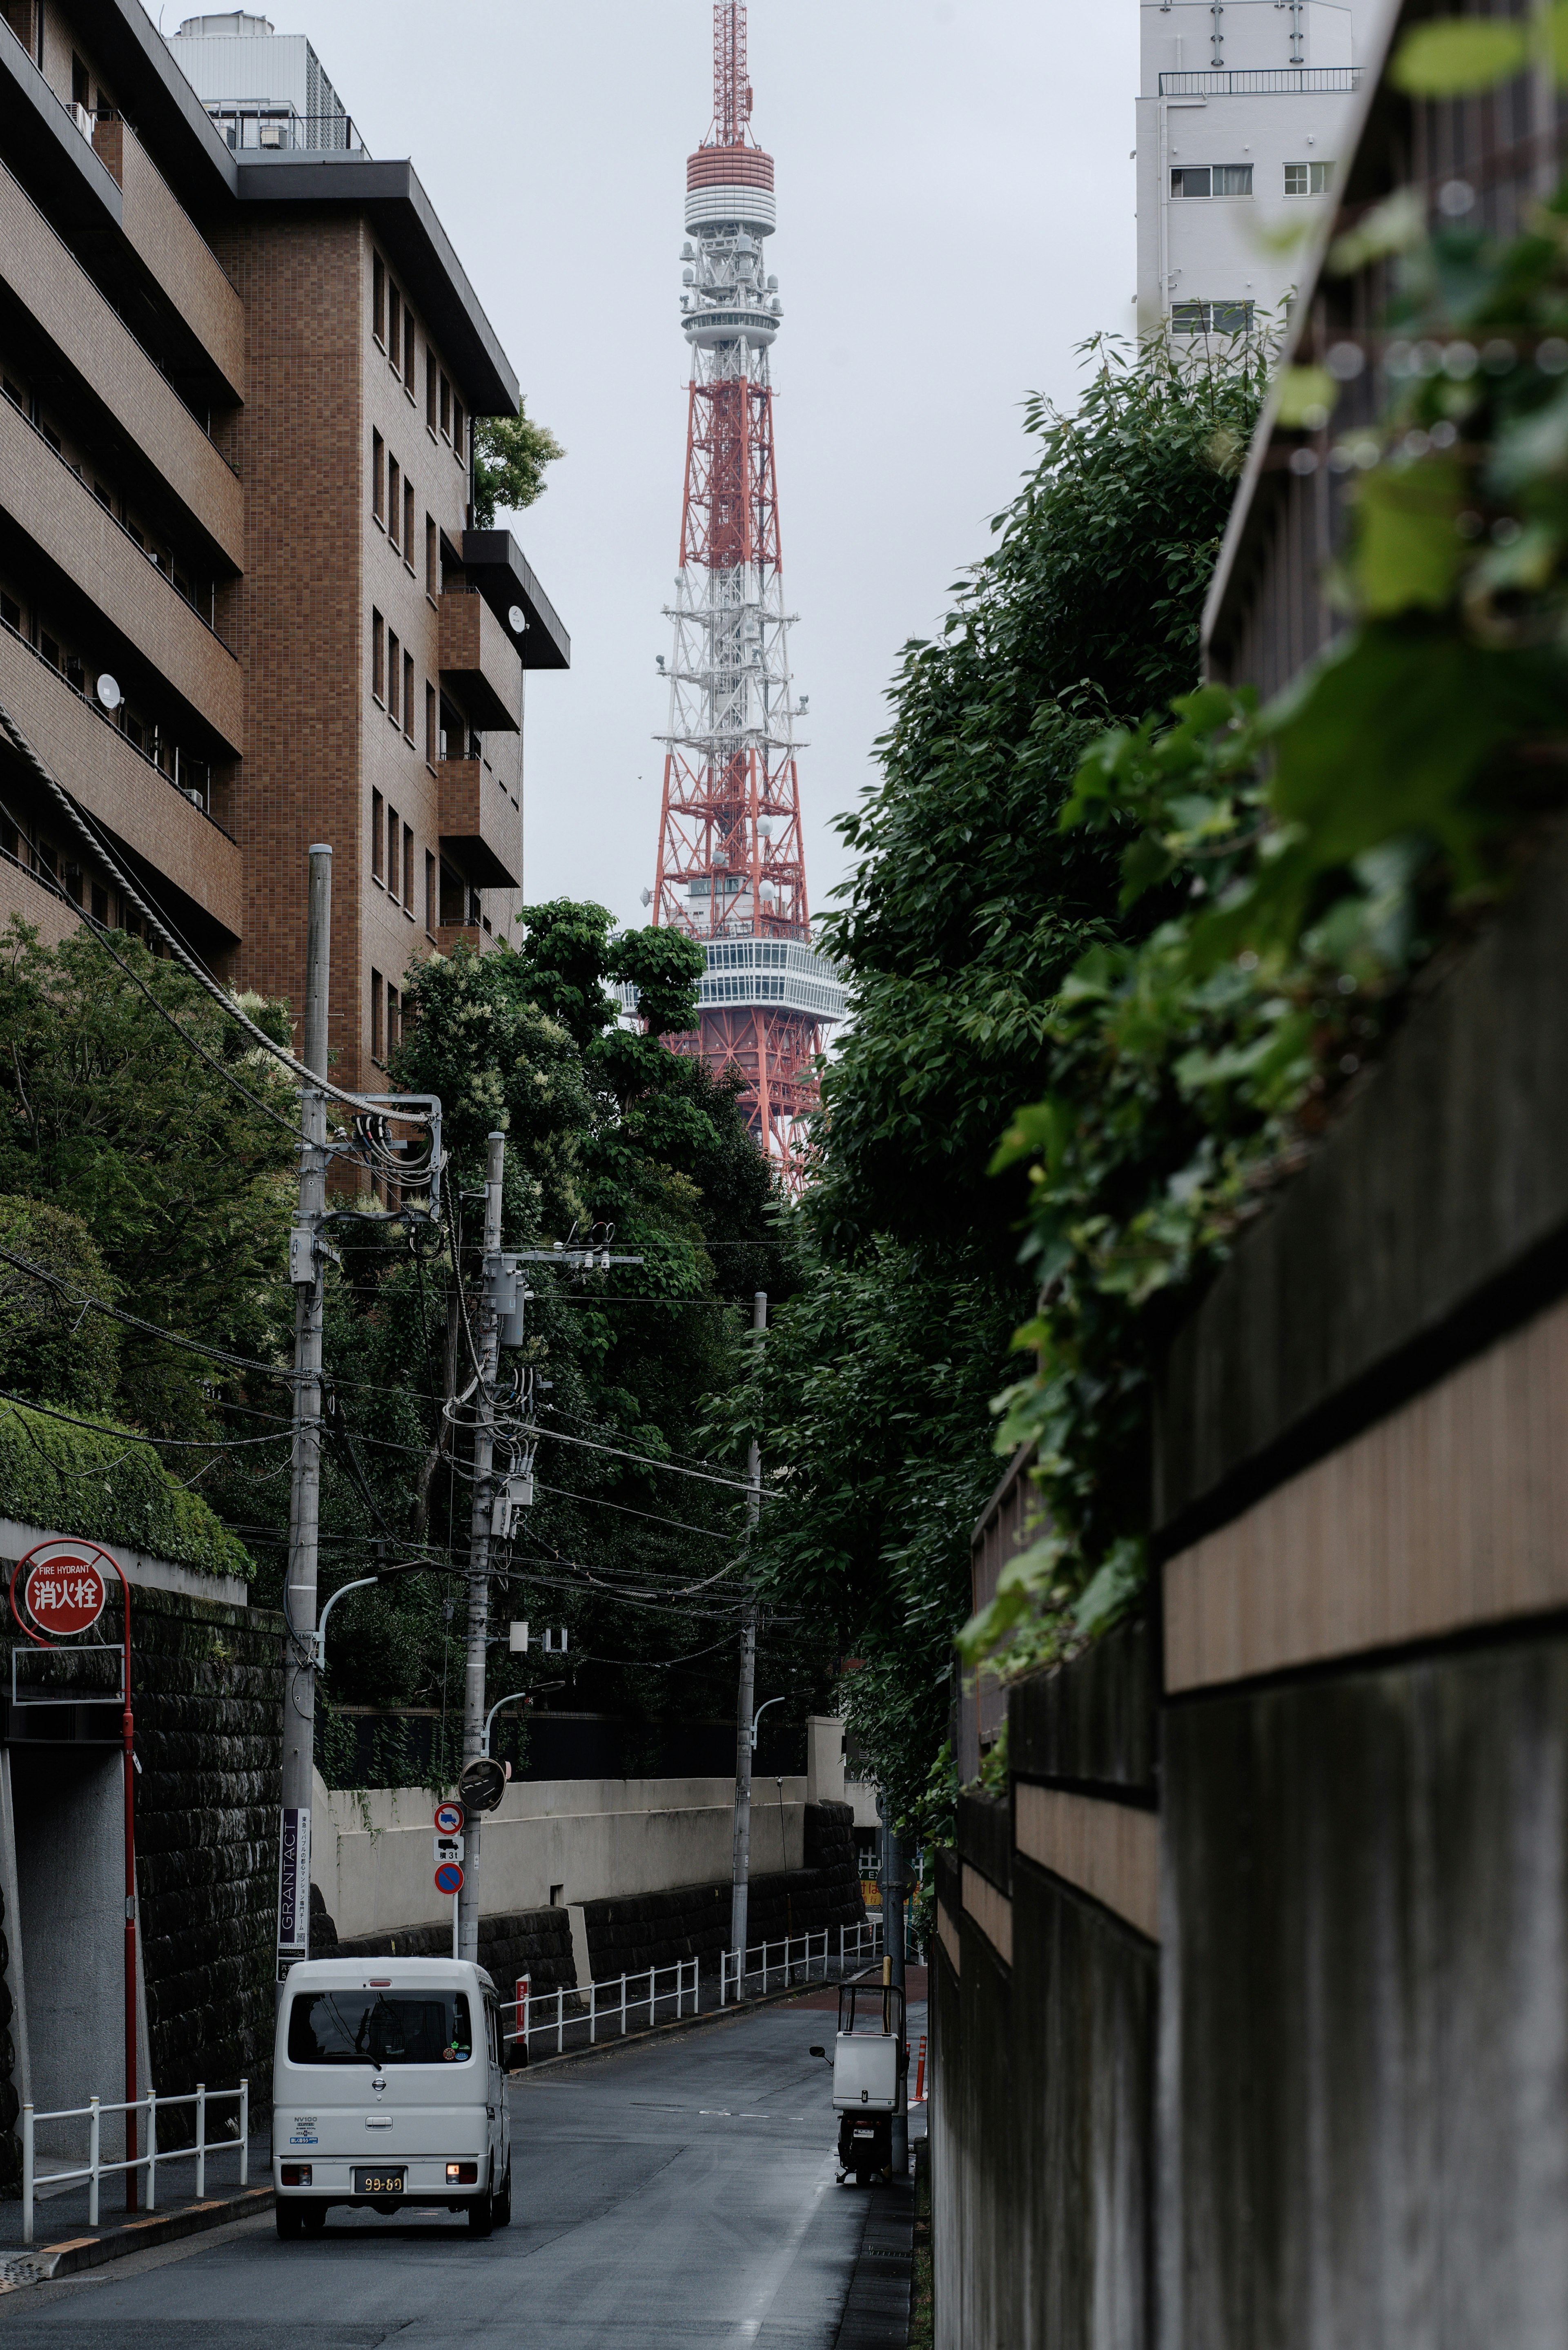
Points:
[(65, 1592)]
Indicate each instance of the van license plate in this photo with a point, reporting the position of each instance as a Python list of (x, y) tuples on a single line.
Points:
[(379, 2183)]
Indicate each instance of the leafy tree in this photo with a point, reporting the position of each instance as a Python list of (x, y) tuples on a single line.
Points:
[(50, 1349), (510, 454), (182, 1184), (968, 907)]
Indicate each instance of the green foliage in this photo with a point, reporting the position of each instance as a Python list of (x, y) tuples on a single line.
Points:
[(1307, 858), (604, 1128), (184, 1187), (510, 454), (108, 1485), (871, 1388), (50, 1349), (968, 908)]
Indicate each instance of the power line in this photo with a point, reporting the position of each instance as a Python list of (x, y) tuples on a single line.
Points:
[(91, 834)]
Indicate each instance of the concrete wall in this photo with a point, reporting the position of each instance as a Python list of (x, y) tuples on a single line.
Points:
[(373, 1859)]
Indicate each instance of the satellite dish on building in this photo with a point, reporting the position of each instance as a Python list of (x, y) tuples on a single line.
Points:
[(516, 620), (108, 690)]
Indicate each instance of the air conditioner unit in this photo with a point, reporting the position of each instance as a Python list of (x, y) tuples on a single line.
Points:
[(271, 134)]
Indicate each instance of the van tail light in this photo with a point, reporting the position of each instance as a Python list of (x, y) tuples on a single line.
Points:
[(463, 2174), (296, 2174)]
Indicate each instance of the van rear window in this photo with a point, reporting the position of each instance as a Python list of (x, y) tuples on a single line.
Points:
[(364, 2027)]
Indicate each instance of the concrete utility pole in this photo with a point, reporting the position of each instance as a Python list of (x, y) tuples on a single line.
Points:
[(489, 1351), (305, 1273), (742, 1852), (893, 1934)]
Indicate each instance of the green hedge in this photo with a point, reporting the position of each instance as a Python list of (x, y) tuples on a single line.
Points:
[(109, 1485)]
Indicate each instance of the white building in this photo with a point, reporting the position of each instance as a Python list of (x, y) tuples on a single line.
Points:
[(1239, 126)]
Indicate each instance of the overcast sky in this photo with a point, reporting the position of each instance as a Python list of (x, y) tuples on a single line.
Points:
[(955, 202)]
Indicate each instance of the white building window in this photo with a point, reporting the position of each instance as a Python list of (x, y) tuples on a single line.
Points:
[(1212, 180), (1308, 179)]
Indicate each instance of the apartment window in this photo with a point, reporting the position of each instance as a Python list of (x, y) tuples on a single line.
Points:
[(394, 326), (446, 408), (430, 389), (394, 498), (457, 428), (409, 695), (1212, 318), (394, 1019), (411, 348), (74, 884), (49, 649), (394, 834), (377, 470), (1212, 180), (408, 866), (377, 869), (101, 905), (378, 657), (408, 524), (394, 672), (378, 299), (431, 728), (429, 891), (432, 557), (81, 83), (10, 612), (378, 1017), (1308, 179)]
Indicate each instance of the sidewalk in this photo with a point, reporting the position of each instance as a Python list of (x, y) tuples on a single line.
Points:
[(63, 2242)]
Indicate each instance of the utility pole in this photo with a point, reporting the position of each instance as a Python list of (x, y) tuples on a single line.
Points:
[(489, 1351), (306, 1270), (742, 1850), (893, 1931)]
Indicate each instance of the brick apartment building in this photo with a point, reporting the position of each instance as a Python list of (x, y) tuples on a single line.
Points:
[(241, 605)]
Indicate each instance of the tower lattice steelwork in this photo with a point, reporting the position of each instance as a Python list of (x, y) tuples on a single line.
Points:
[(731, 864)]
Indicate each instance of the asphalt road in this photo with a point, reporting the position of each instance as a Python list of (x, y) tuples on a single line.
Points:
[(669, 2195)]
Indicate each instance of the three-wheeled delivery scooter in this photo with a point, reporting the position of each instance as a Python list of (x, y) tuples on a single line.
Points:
[(870, 2077)]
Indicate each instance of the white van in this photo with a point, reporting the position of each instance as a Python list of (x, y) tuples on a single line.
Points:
[(389, 2090)]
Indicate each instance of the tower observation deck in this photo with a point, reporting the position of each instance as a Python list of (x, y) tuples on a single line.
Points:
[(732, 863)]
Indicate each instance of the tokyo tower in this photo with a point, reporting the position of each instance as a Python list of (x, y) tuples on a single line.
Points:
[(732, 863)]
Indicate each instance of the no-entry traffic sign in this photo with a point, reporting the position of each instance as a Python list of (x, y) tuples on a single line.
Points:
[(65, 1591), (448, 1819), (449, 1878)]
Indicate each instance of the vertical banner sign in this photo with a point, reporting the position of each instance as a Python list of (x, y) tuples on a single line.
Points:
[(294, 1887)]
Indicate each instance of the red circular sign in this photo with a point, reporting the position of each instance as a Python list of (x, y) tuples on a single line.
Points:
[(65, 1590)]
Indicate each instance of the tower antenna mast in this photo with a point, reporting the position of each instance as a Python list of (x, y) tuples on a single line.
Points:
[(732, 861)]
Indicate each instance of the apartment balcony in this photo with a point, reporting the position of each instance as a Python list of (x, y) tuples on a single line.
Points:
[(95, 343), (172, 249), (125, 598), (480, 831), (124, 791), (478, 664), (449, 936)]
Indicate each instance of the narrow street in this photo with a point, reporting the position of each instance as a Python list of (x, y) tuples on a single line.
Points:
[(671, 2193)]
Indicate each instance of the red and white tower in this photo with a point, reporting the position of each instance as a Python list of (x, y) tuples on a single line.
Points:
[(731, 864)]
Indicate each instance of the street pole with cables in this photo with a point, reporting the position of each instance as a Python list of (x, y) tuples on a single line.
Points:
[(488, 1356), (741, 1893), (305, 1272)]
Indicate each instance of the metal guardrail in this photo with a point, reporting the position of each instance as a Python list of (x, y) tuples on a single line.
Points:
[(615, 1998), (801, 1958), (95, 2168), (1258, 81)]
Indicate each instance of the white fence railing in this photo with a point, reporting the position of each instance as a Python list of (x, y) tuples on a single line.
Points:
[(802, 1959), (95, 2168), (546, 2012)]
